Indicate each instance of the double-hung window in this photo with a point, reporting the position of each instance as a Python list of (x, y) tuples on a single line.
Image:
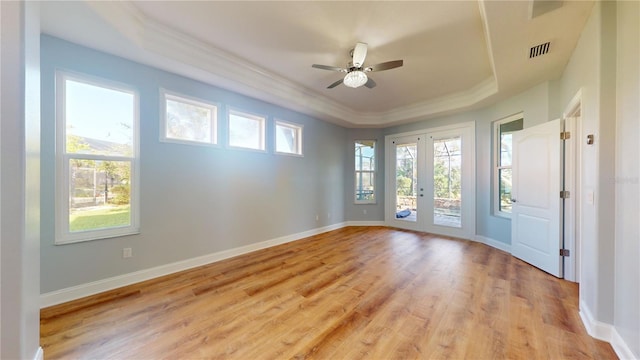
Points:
[(365, 171), (96, 159), (503, 140)]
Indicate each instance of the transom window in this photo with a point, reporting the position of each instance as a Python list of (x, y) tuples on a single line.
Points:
[(97, 159), (288, 138), (503, 135), (365, 171), (188, 120), (246, 130)]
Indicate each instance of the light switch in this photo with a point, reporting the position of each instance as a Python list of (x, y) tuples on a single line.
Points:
[(590, 196)]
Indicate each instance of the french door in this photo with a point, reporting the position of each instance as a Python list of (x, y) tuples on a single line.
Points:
[(431, 181), (407, 183)]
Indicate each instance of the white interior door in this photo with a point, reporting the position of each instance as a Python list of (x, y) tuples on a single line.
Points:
[(537, 208)]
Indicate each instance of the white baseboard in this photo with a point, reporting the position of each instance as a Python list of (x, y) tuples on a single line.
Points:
[(95, 287), (494, 243), (605, 332), (39, 354), (620, 347), (366, 223), (596, 329)]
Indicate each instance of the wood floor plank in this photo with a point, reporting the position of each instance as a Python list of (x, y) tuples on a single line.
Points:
[(353, 293)]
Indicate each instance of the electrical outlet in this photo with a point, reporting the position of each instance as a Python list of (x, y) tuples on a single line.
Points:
[(317, 217), (328, 215), (364, 211), (127, 253)]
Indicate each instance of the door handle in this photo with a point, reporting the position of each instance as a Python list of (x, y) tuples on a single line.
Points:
[(421, 195), (514, 200)]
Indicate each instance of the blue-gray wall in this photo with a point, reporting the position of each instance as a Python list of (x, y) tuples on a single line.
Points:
[(195, 200)]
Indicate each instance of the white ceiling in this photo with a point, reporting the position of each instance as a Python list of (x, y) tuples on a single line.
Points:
[(457, 54)]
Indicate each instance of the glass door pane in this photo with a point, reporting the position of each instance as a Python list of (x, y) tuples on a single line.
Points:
[(447, 182), (406, 181)]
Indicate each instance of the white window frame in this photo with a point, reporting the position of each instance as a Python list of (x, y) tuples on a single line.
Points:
[(249, 115), (174, 96), (298, 130), (372, 172), (496, 163), (63, 234)]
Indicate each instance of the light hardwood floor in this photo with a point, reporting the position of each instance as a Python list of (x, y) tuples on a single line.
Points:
[(353, 293)]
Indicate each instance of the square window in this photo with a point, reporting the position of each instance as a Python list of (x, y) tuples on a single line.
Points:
[(288, 138), (246, 130), (188, 120)]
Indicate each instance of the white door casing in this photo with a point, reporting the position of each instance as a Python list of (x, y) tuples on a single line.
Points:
[(537, 208), (424, 216)]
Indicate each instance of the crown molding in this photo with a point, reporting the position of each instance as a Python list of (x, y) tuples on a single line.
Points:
[(185, 55)]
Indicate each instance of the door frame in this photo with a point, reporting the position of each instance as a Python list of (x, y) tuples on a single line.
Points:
[(469, 167), (574, 148)]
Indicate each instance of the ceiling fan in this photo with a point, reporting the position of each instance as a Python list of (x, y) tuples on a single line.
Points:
[(356, 72)]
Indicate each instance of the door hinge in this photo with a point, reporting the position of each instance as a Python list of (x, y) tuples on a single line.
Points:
[(565, 194), (564, 252), (565, 135)]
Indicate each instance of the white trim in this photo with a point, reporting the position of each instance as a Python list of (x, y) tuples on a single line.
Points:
[(494, 243), (373, 172), (574, 104), (605, 332), (39, 354), (214, 107), (218, 67), (298, 128), (63, 234), (95, 287), (573, 182), (495, 152), (260, 118), (467, 130), (620, 346), (365, 223), (428, 130)]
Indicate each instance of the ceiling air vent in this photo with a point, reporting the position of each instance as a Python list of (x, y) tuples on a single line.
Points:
[(539, 50)]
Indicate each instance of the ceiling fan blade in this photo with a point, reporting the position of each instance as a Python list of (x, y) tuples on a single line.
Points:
[(385, 66), (327, 67), (359, 54), (370, 83), (335, 84)]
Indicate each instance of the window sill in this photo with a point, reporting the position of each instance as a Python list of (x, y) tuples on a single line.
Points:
[(99, 236)]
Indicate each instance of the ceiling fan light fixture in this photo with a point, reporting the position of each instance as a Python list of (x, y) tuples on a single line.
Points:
[(355, 79)]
